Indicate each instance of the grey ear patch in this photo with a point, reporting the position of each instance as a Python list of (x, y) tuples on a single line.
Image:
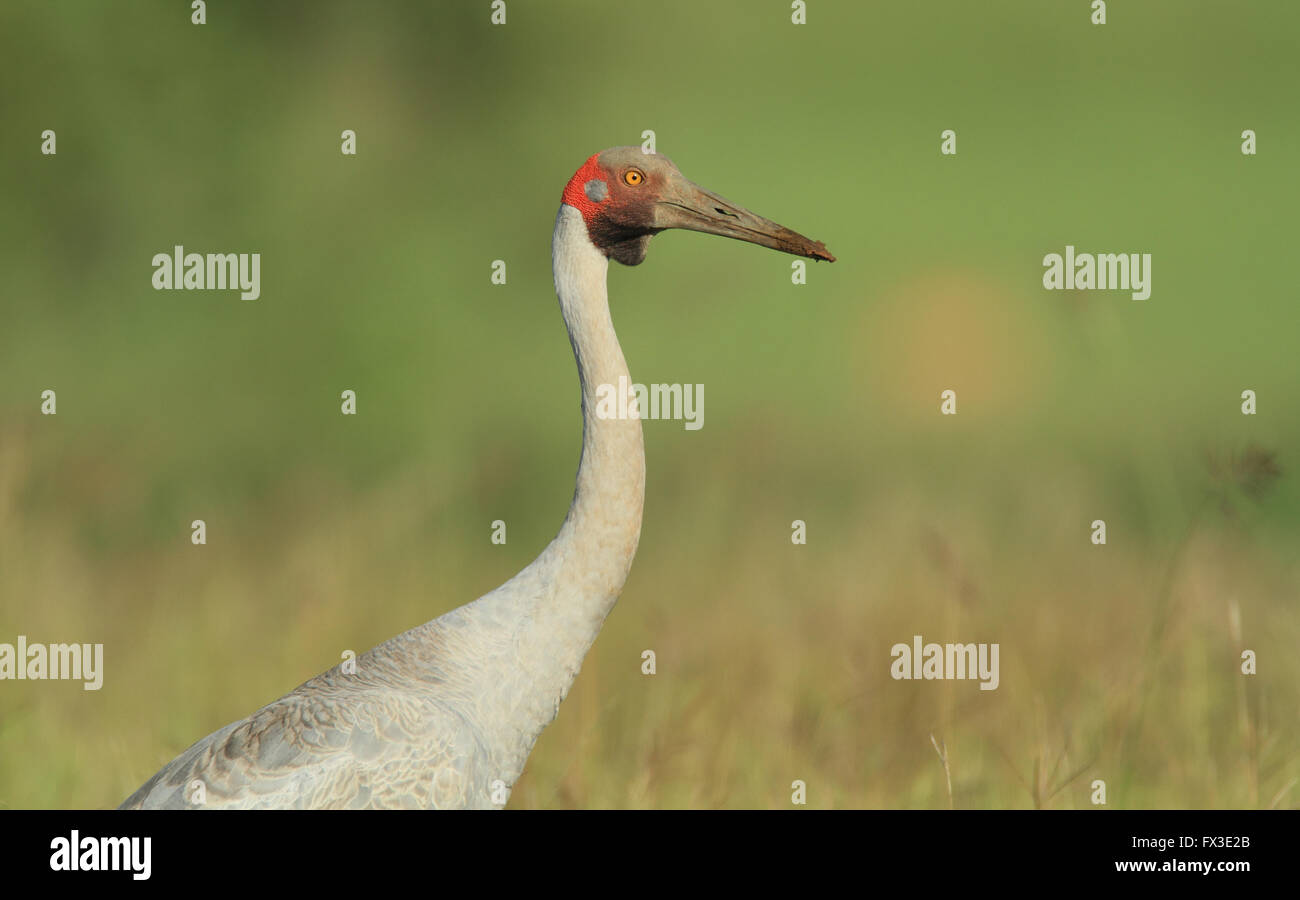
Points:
[(596, 190)]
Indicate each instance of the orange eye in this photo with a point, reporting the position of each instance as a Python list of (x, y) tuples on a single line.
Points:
[(633, 177)]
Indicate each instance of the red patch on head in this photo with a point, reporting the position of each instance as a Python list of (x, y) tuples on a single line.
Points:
[(574, 192)]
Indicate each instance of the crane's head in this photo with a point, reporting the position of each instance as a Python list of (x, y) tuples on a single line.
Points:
[(627, 196)]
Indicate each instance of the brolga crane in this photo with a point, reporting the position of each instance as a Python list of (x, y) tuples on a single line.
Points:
[(446, 714)]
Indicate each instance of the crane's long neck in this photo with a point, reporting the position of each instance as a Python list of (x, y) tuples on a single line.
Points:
[(600, 534), (548, 615)]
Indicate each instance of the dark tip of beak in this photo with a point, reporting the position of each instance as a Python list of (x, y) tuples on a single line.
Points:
[(819, 251), (795, 243)]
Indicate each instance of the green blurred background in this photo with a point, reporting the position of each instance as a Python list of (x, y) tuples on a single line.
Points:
[(328, 533)]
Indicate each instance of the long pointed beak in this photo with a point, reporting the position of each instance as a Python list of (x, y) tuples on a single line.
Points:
[(689, 206)]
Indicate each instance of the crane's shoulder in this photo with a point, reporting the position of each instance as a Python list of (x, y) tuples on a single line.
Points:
[(337, 741)]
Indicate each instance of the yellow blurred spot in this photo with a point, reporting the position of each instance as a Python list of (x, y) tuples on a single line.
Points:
[(954, 330)]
